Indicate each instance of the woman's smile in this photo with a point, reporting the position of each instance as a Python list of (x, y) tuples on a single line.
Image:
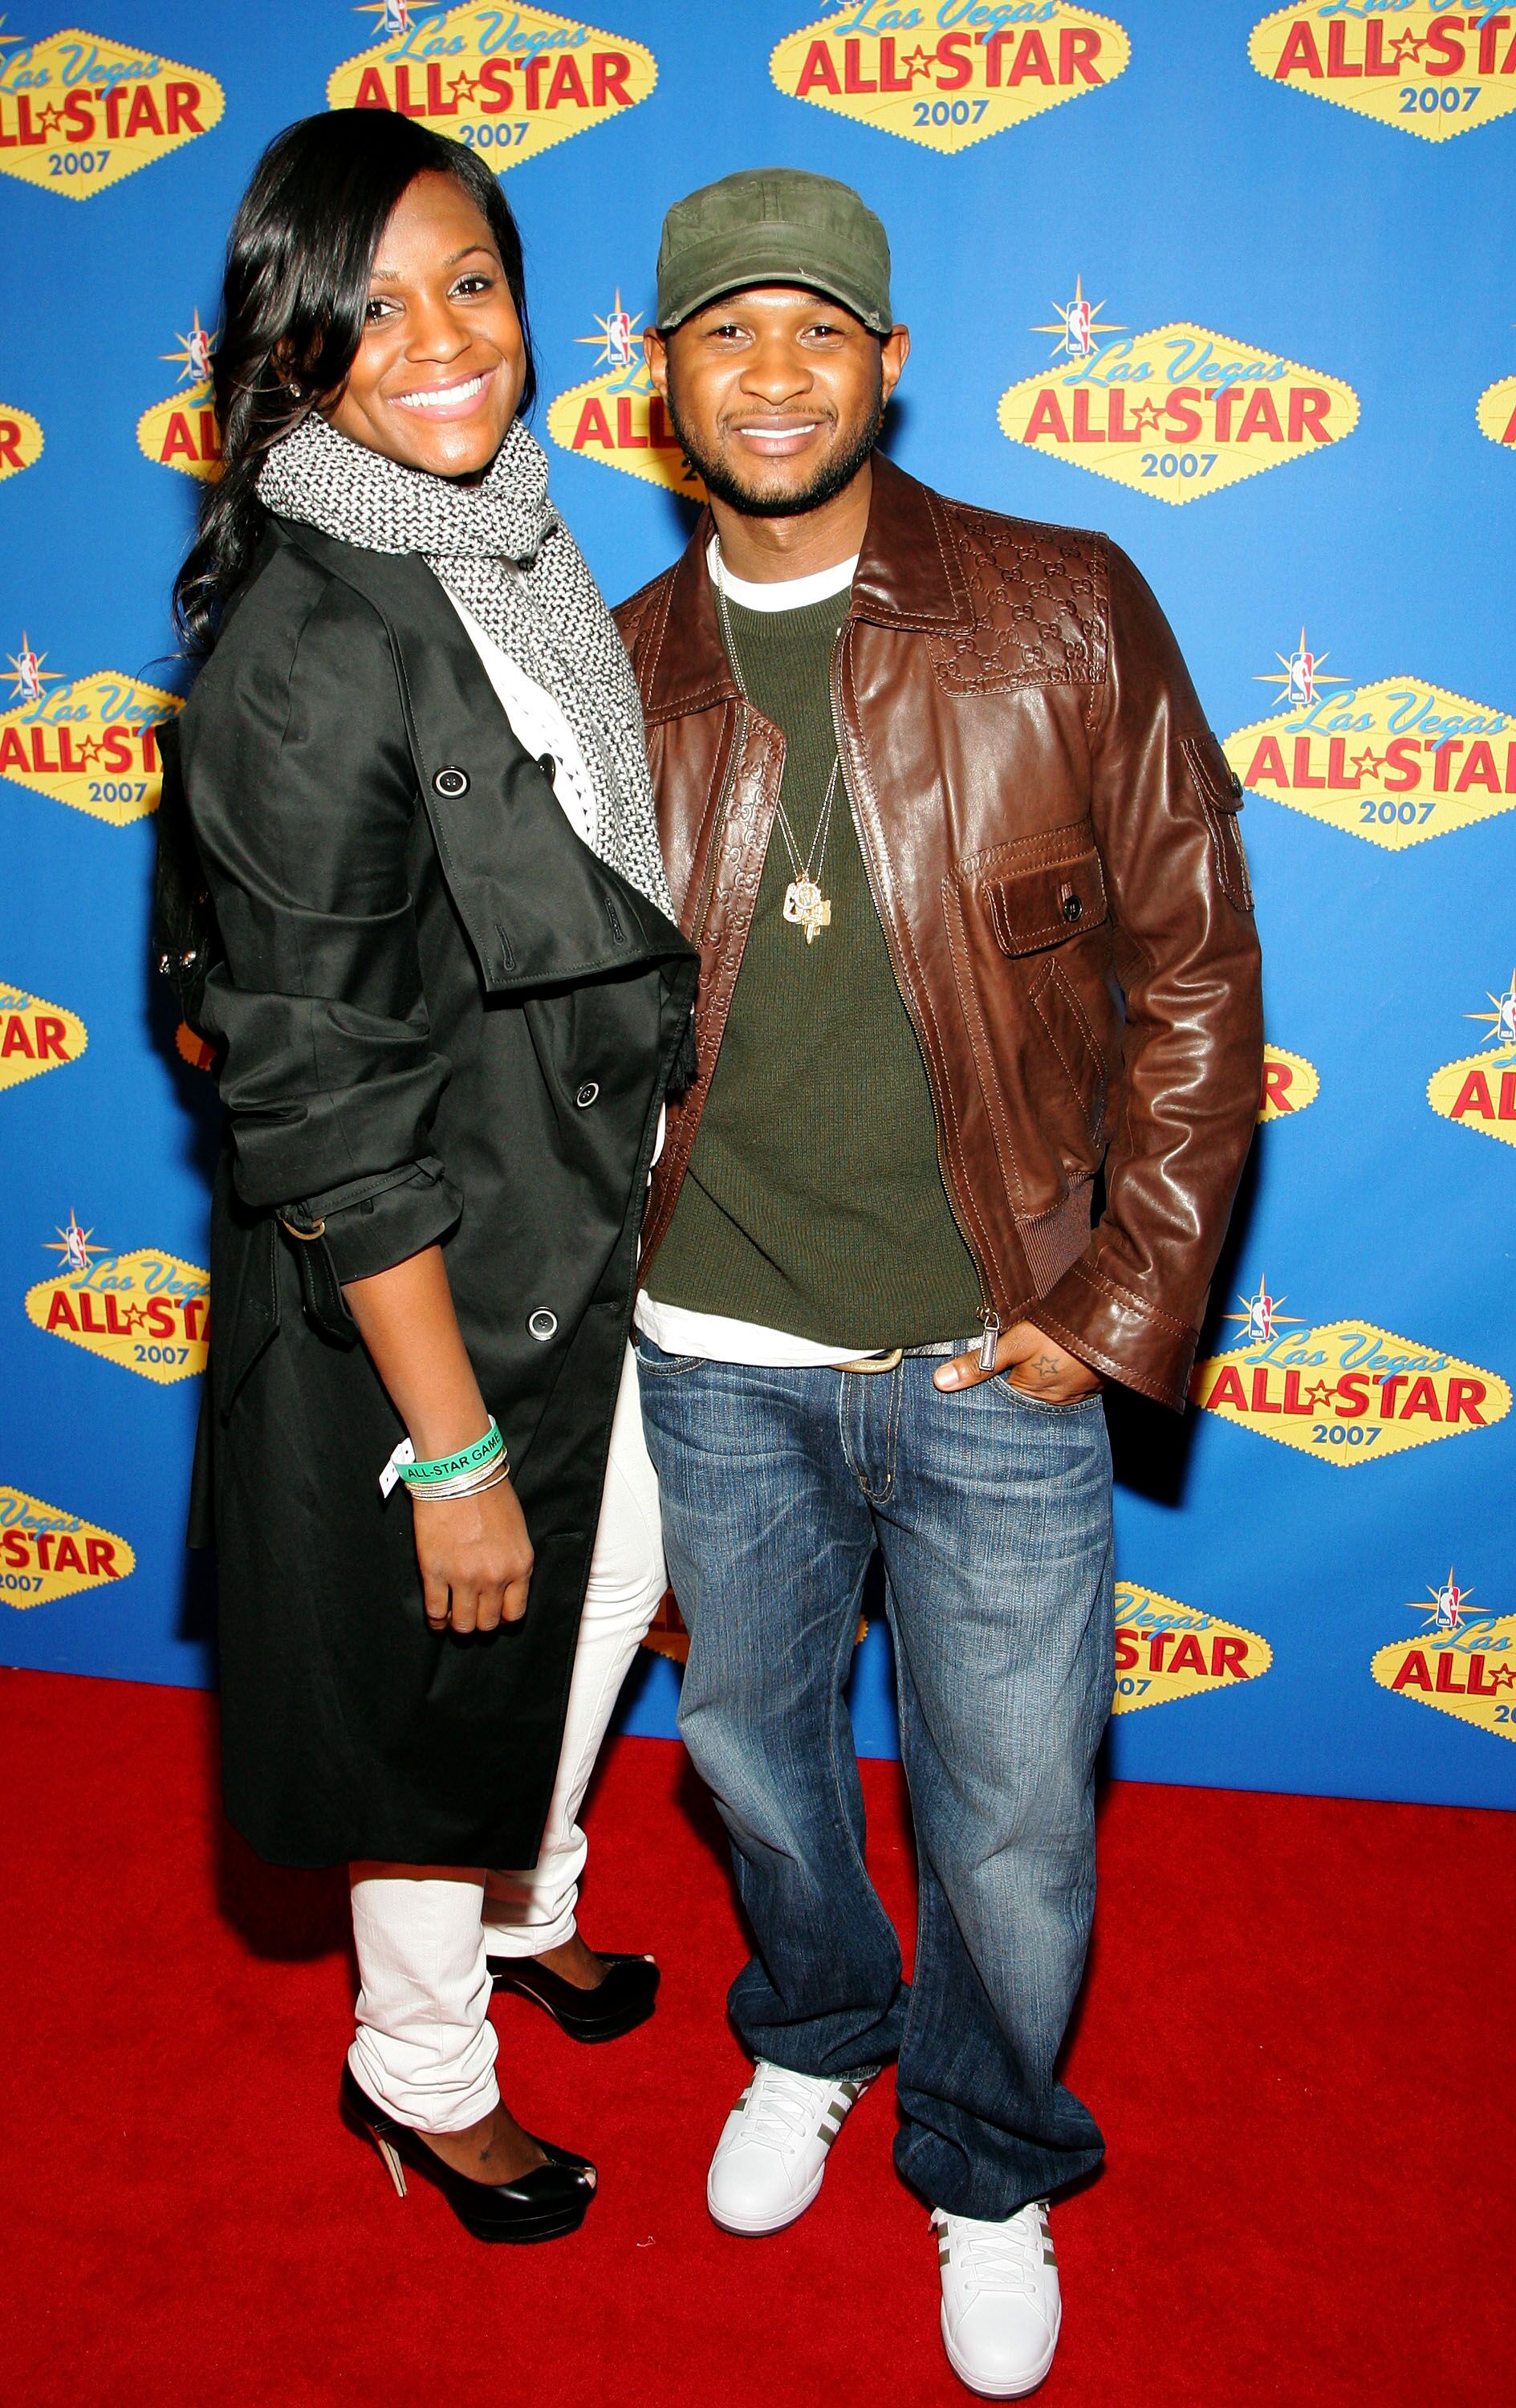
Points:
[(460, 398)]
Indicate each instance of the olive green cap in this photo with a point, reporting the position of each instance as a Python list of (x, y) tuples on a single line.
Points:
[(774, 225)]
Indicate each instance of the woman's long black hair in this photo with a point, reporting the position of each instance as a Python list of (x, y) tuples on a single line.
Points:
[(293, 299)]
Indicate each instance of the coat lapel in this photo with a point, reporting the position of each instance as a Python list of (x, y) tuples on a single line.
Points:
[(538, 906)]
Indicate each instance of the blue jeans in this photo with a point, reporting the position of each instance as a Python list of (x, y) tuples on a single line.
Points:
[(993, 1513)]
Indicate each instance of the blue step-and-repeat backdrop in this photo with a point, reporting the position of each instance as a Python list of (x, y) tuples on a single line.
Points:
[(1236, 285)]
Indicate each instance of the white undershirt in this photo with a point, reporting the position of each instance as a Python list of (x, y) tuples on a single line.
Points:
[(538, 722), (712, 1336)]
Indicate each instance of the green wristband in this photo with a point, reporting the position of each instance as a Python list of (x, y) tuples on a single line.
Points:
[(423, 1478)]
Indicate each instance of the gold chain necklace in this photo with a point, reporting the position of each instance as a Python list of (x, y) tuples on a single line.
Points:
[(805, 905)]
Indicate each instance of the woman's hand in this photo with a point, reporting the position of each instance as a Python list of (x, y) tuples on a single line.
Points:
[(473, 1551), (475, 1558)]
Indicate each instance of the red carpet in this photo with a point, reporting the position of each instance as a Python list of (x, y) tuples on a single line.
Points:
[(1291, 2035)]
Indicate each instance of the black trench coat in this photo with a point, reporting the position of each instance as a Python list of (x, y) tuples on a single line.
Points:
[(443, 1020)]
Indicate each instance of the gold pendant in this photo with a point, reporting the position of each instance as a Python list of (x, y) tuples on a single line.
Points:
[(805, 904)]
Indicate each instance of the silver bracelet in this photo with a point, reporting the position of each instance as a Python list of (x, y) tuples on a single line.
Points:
[(473, 1485)]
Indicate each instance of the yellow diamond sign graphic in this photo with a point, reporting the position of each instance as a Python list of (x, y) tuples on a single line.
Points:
[(147, 1312), (506, 83), (1349, 1393), (180, 432), (949, 76), (21, 441), (618, 420), (1395, 763), (1469, 1672), (1496, 411), (35, 1036), (1479, 1091), (46, 1552), (1291, 1083), (1177, 413), (1410, 63), (1166, 1651), (78, 111), (90, 744)]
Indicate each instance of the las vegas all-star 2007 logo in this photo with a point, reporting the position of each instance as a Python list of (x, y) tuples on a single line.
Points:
[(1396, 762), (21, 441), (1478, 1091), (617, 417), (1175, 412), (952, 73), (148, 1311), (507, 83), (1345, 1391), (1431, 68), (79, 110), (88, 741), (1459, 1661), (1166, 1651), (180, 431), (35, 1036), (46, 1552)]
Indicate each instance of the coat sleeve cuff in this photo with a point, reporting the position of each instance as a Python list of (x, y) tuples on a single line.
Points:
[(373, 1232), (1120, 1334)]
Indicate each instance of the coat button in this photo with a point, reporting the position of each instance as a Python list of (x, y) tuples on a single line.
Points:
[(547, 765), (543, 1325), (1072, 907), (587, 1094), (451, 782)]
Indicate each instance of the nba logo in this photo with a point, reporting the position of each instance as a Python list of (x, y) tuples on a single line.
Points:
[(28, 666), (197, 351), (1301, 666), (1505, 1026), (75, 1252), (396, 17), (1449, 1611), (1260, 1320), (618, 340), (1079, 338)]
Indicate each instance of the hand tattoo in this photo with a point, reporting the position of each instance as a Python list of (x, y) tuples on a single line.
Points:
[(1048, 1367)]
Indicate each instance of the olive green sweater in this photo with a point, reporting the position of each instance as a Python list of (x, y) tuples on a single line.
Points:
[(814, 1201)]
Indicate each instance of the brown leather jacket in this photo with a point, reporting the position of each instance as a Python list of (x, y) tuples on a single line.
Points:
[(1050, 830)]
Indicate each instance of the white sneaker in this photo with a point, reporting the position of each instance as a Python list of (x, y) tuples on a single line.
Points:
[(1000, 2305), (772, 2153)]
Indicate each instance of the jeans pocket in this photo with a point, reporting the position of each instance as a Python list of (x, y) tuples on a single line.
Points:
[(652, 1362), (1002, 1381)]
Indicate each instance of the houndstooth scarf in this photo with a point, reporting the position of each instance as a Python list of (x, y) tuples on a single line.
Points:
[(501, 549)]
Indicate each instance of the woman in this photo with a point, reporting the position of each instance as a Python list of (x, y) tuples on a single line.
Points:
[(450, 998)]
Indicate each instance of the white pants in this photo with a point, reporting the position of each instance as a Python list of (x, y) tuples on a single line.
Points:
[(426, 2045)]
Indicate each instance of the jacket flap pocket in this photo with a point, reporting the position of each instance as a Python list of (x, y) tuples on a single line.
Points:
[(1220, 790), (1216, 780), (1046, 905)]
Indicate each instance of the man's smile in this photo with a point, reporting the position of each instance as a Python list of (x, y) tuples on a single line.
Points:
[(776, 439)]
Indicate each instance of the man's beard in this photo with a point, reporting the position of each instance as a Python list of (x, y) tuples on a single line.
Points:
[(833, 477)]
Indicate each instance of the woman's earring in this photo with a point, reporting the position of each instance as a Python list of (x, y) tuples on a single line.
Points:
[(297, 392)]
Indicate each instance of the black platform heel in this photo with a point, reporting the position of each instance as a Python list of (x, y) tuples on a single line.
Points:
[(623, 2000), (542, 2205)]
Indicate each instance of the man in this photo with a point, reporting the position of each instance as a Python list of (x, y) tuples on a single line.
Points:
[(942, 813)]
